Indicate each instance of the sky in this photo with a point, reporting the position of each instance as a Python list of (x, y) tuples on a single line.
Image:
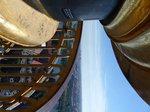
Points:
[(104, 88)]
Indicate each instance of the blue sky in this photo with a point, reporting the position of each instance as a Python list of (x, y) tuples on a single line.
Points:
[(104, 88)]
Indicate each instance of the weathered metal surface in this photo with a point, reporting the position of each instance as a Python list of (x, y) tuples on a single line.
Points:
[(21, 24)]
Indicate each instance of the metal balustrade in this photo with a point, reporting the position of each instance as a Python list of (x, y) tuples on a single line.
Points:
[(33, 78)]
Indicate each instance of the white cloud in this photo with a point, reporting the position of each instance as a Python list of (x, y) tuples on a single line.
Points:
[(94, 99)]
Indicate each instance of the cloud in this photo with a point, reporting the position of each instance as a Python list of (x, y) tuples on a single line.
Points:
[(93, 92)]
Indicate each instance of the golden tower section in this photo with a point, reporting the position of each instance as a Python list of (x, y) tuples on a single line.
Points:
[(130, 35)]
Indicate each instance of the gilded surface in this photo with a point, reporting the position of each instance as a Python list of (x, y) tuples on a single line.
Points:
[(32, 77), (140, 46), (137, 77), (36, 4), (21, 24), (133, 15), (130, 35)]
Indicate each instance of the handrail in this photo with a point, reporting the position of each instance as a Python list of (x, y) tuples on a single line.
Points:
[(53, 61)]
